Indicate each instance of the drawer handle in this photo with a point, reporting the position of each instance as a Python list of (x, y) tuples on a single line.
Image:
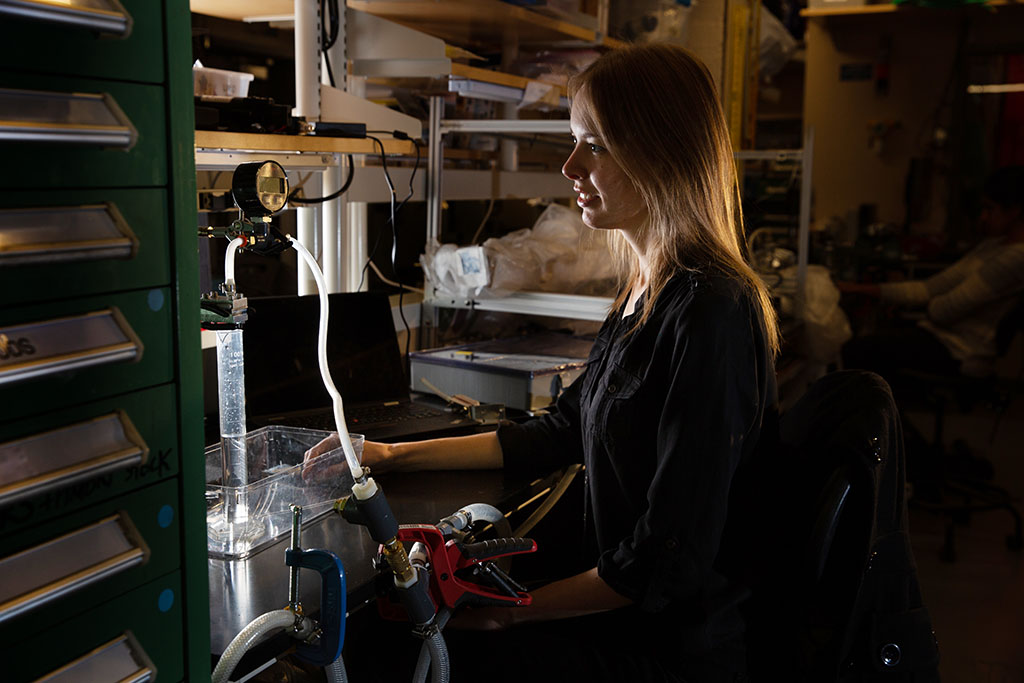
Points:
[(67, 564), (122, 660), (38, 349), (109, 17), (70, 118), (64, 233), (43, 462)]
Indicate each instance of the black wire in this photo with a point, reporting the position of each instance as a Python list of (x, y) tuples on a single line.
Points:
[(394, 249), (376, 242), (329, 8), (292, 199)]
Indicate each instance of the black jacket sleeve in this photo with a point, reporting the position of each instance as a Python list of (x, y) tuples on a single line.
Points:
[(544, 444)]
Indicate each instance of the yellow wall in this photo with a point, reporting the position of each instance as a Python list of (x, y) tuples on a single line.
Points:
[(847, 172)]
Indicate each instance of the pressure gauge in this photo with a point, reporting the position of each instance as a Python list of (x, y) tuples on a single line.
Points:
[(260, 188)]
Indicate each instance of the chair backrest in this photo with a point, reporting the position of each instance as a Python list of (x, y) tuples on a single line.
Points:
[(800, 612), (840, 493)]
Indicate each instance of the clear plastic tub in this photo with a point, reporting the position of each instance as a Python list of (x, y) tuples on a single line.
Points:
[(220, 82), (241, 520)]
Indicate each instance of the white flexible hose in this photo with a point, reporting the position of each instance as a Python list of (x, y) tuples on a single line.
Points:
[(249, 636), (339, 414), (229, 261), (483, 511), (336, 671)]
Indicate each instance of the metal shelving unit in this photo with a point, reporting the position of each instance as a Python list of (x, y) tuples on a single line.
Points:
[(567, 305)]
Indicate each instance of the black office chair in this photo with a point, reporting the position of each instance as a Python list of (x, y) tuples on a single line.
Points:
[(840, 599), (954, 481)]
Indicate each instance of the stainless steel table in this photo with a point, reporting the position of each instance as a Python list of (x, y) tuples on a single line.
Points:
[(241, 590)]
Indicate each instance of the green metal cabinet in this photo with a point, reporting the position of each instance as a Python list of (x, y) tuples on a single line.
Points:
[(141, 493), (152, 614)]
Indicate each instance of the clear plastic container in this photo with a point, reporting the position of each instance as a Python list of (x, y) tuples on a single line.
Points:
[(241, 520), (220, 82)]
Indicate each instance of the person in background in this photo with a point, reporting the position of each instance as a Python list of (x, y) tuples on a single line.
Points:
[(963, 304), (677, 393)]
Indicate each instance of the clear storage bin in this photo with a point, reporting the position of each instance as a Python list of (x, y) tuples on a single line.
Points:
[(220, 82), (243, 519)]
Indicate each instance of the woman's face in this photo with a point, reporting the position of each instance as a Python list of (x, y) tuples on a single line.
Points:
[(604, 192)]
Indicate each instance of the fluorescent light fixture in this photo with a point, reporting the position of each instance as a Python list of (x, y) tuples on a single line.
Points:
[(995, 88)]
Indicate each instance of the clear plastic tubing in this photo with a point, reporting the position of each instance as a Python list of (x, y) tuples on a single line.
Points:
[(231, 397), (339, 414)]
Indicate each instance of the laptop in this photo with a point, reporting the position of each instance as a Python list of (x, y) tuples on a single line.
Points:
[(282, 377)]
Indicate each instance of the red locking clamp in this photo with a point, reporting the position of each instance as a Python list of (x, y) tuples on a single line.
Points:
[(464, 573)]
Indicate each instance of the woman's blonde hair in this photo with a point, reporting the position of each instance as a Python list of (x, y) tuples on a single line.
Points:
[(656, 109)]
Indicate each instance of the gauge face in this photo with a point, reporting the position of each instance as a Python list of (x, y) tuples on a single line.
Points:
[(260, 188)]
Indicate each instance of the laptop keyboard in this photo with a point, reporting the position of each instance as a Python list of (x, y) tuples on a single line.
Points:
[(399, 412)]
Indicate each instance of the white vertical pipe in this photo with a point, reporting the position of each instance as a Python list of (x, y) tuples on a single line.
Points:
[(354, 240), (333, 213), (307, 60), (308, 229), (509, 148), (354, 247), (435, 164)]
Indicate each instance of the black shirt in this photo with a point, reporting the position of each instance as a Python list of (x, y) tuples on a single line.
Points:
[(664, 419)]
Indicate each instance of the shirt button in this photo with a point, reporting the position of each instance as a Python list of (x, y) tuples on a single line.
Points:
[(612, 388), (671, 544)]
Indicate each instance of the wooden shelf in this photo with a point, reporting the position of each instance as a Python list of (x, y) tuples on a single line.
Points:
[(210, 139), (500, 78), (900, 9), (853, 9), (439, 85), (479, 22), (460, 22), (244, 10)]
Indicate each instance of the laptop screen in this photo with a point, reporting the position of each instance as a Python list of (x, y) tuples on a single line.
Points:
[(281, 369)]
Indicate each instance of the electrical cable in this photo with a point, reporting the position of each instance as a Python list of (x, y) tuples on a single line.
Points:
[(394, 253), (292, 199), (329, 8), (392, 283), (412, 178), (487, 215)]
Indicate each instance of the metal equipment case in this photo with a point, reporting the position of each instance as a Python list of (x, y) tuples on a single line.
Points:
[(526, 373)]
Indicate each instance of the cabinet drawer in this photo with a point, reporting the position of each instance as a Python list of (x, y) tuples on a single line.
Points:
[(27, 280), (137, 56), (151, 615), (39, 165), (32, 385), (88, 558), (152, 414)]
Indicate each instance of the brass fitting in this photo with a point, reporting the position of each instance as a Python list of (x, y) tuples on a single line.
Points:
[(398, 560)]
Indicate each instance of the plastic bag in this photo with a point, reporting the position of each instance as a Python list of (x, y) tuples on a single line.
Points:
[(457, 272), (559, 254), (826, 327), (776, 45)]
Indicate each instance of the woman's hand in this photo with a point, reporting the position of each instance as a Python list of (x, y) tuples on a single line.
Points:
[(375, 456), (483, 618)]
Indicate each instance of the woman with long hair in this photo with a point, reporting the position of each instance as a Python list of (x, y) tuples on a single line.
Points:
[(668, 413)]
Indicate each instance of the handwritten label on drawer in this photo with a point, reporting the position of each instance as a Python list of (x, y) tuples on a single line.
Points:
[(74, 453)]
